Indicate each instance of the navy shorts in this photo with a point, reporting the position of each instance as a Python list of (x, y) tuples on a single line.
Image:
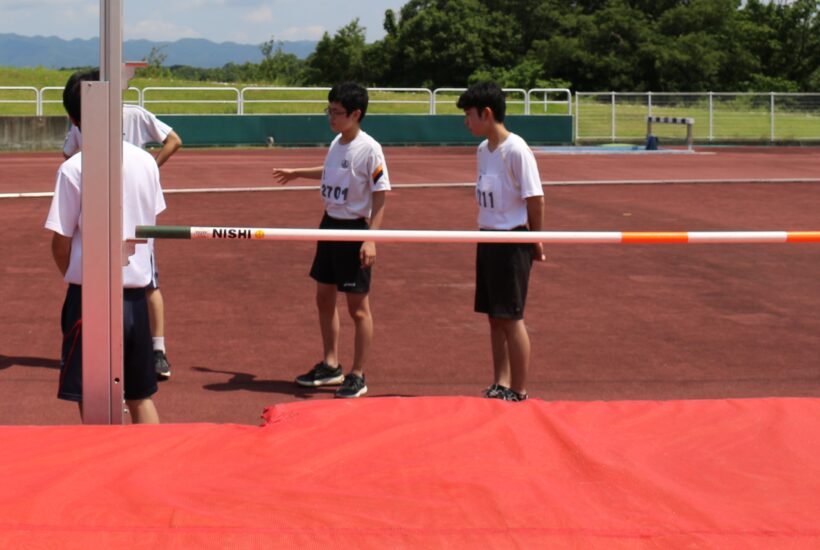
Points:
[(138, 368), (502, 278), (338, 262)]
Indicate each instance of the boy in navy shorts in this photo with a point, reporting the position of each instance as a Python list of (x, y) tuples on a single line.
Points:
[(141, 127), (142, 200), (510, 198), (354, 181)]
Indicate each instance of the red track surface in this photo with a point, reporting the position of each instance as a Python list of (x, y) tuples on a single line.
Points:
[(607, 321)]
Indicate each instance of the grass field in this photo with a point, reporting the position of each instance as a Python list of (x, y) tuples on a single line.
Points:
[(733, 117)]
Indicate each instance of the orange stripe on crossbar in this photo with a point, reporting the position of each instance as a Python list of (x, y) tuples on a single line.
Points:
[(649, 238), (803, 237)]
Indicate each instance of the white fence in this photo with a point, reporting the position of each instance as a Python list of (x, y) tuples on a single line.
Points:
[(270, 100), (719, 116), (599, 116)]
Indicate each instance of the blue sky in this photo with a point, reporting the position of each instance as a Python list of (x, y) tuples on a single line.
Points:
[(244, 21)]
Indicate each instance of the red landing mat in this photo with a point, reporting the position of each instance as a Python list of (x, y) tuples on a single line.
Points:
[(427, 473)]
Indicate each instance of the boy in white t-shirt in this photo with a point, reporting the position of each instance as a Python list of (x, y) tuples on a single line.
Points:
[(354, 181), (510, 198), (141, 202), (141, 127)]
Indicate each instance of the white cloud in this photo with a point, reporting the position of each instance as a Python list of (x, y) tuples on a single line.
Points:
[(314, 32), (81, 13), (151, 29), (39, 4), (187, 5), (261, 14)]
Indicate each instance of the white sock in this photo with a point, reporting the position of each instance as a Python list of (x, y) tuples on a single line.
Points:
[(159, 343)]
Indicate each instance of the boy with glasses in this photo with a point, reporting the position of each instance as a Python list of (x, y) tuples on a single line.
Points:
[(354, 181)]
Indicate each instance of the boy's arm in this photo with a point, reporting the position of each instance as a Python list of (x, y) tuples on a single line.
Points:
[(535, 221), (367, 253), (61, 251), (170, 146), (284, 175)]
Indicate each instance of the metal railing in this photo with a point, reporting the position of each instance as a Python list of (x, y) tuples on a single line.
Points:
[(599, 116), (271, 99), (211, 94), (719, 116), (13, 95), (44, 98)]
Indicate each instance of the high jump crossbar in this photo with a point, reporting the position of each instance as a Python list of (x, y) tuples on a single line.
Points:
[(426, 236)]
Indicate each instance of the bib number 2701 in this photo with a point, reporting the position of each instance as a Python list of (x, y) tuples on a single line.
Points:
[(335, 193)]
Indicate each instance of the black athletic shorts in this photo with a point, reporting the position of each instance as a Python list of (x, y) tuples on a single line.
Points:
[(138, 368), (338, 262), (502, 278)]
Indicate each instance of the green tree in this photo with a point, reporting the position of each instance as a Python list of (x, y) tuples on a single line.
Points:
[(339, 58), (436, 43), (156, 61), (278, 66)]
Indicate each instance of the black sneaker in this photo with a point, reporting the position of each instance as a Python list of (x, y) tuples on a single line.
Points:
[(353, 386), (495, 391), (510, 395), (161, 365), (321, 375)]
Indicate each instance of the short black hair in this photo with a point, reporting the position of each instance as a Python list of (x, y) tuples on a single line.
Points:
[(71, 92), (351, 96), (484, 94)]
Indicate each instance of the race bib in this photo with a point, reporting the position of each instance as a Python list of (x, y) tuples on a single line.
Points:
[(489, 192), (335, 188)]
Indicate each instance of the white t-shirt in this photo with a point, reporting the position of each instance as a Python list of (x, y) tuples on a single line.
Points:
[(139, 127), (506, 178), (142, 200), (352, 173)]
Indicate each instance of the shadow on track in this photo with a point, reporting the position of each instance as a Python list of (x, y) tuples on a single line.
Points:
[(7, 361)]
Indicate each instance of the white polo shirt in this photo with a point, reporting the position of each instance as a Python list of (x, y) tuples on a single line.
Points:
[(142, 200), (352, 173), (506, 178), (139, 127)]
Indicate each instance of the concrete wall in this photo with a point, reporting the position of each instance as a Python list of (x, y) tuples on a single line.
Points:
[(29, 133)]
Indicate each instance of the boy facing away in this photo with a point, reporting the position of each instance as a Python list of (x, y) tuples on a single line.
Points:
[(354, 181), (142, 200), (141, 127), (510, 198)]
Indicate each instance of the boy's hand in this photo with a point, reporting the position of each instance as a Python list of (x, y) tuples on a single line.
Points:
[(367, 254), (538, 252), (283, 175)]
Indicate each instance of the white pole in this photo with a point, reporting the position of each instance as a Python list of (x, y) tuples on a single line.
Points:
[(771, 129)]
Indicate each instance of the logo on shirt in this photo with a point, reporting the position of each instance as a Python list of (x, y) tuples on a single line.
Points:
[(345, 163)]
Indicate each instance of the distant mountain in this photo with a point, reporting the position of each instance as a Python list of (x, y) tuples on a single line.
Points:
[(54, 52)]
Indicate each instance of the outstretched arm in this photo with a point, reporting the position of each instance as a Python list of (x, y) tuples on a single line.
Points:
[(284, 175)]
